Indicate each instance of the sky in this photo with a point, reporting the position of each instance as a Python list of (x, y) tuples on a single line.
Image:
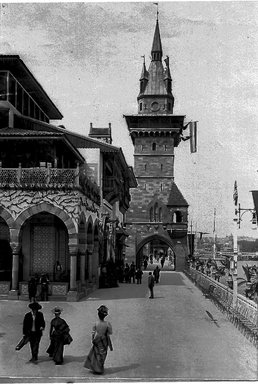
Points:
[(87, 57)]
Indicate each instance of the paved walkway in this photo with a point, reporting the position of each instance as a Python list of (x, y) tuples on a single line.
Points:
[(169, 338)]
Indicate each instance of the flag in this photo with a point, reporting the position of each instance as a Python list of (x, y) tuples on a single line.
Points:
[(255, 199), (193, 136), (235, 193), (185, 126)]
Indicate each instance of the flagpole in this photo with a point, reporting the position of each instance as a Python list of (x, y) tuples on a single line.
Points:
[(233, 264), (214, 234)]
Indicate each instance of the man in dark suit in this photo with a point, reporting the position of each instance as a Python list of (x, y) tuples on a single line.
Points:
[(33, 325)]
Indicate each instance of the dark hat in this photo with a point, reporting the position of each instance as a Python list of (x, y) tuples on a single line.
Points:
[(35, 306), (57, 310), (103, 309)]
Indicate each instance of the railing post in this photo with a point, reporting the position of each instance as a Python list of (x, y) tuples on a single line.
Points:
[(77, 173), (19, 173), (48, 174)]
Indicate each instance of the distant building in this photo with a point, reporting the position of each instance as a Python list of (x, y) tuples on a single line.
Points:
[(63, 196)]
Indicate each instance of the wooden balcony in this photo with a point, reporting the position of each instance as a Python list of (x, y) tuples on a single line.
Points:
[(48, 178)]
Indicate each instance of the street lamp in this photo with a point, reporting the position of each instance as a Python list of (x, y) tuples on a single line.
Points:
[(241, 211), (233, 263)]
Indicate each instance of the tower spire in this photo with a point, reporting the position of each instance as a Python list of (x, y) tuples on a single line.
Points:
[(156, 51), (157, 4)]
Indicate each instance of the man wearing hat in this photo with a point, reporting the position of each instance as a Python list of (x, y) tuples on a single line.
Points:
[(33, 325)]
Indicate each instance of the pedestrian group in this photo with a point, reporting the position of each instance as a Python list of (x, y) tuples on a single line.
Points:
[(34, 325), (34, 322)]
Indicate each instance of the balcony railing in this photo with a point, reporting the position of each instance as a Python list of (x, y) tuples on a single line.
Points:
[(48, 178)]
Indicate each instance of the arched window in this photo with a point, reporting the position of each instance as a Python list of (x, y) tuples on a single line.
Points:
[(154, 146), (156, 212), (160, 214), (177, 217), (151, 214)]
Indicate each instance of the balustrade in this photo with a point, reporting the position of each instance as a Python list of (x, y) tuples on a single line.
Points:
[(47, 177)]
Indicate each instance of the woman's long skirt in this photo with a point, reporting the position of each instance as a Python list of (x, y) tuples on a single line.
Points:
[(56, 350), (97, 355)]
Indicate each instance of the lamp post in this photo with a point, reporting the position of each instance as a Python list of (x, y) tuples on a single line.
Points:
[(233, 263)]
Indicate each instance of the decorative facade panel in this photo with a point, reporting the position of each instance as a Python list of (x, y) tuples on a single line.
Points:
[(43, 255)]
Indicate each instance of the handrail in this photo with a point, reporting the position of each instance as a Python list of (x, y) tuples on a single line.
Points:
[(225, 292)]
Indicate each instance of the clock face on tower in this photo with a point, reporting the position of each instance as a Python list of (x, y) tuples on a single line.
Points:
[(155, 106)]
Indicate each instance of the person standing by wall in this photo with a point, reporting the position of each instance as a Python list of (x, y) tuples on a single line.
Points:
[(138, 275), (32, 289), (33, 325), (58, 270), (132, 272), (44, 281), (151, 285)]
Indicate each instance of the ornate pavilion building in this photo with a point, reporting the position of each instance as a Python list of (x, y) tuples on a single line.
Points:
[(63, 196)]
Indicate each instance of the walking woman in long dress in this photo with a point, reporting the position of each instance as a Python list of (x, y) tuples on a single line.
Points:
[(100, 342), (59, 330)]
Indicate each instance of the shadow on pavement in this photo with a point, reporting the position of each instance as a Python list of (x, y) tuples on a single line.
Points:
[(120, 369), (71, 359), (159, 297)]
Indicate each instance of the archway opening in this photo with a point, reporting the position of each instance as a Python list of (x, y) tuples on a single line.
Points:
[(44, 242), (5, 252), (154, 251)]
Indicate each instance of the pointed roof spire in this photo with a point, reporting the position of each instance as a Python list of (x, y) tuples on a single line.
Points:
[(167, 69), (156, 51), (176, 199), (144, 74)]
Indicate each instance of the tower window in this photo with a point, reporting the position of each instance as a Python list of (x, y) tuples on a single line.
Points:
[(140, 106), (154, 146), (177, 217), (169, 106), (161, 167), (151, 214), (156, 212), (161, 187), (145, 167), (165, 147), (160, 214)]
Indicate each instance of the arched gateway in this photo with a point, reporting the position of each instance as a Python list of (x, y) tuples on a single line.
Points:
[(158, 210)]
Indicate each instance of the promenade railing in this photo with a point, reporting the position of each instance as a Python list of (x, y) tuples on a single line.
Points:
[(244, 314)]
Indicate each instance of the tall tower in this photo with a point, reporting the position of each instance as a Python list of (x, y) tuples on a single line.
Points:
[(158, 211)]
